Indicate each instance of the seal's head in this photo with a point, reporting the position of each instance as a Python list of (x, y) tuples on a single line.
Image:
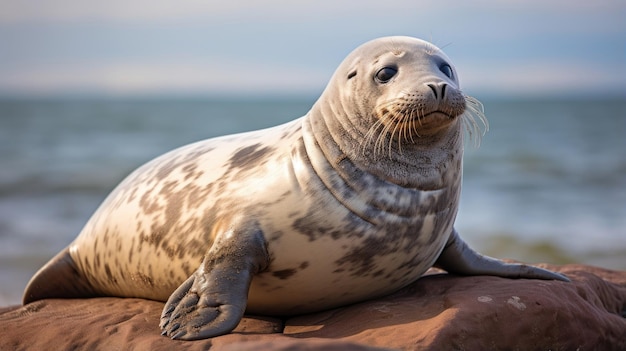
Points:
[(399, 93)]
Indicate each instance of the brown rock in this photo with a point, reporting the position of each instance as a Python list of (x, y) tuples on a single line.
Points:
[(439, 312)]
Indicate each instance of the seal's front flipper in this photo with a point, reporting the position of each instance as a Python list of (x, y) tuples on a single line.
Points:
[(59, 278), (457, 257), (213, 300)]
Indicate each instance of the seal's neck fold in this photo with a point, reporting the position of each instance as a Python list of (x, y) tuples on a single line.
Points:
[(426, 164)]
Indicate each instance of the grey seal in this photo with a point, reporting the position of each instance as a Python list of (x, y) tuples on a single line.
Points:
[(354, 200)]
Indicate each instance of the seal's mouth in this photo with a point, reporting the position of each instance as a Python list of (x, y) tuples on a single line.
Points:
[(398, 126), (401, 122), (423, 123), (438, 114), (419, 125)]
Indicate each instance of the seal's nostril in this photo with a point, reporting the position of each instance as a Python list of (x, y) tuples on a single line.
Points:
[(439, 90), (434, 89)]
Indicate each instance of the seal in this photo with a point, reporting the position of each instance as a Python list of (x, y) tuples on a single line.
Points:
[(355, 200)]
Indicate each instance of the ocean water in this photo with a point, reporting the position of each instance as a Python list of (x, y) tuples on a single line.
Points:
[(548, 183)]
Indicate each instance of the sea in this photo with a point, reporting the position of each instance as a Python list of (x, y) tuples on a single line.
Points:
[(547, 184)]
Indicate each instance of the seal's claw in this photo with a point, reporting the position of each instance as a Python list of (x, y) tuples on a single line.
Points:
[(174, 328), (168, 309), (180, 335)]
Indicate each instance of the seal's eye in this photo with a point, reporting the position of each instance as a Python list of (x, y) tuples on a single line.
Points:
[(447, 70), (385, 74)]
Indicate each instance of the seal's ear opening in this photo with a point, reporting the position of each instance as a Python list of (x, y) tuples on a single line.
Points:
[(351, 74)]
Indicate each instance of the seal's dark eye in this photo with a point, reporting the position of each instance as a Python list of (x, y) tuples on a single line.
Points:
[(385, 74), (447, 70)]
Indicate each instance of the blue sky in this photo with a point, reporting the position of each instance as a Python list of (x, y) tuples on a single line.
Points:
[(119, 47)]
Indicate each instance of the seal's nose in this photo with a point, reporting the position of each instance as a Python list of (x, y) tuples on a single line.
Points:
[(439, 90)]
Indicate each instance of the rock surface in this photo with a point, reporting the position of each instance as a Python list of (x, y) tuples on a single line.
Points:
[(439, 312)]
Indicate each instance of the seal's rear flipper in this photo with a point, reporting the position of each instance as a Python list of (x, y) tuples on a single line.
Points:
[(457, 257), (59, 278)]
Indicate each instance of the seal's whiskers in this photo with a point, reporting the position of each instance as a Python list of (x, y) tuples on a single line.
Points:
[(372, 133), (474, 110), (380, 130)]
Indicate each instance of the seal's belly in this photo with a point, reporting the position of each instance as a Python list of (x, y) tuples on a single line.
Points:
[(315, 271)]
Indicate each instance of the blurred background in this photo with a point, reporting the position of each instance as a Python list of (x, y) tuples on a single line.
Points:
[(90, 90)]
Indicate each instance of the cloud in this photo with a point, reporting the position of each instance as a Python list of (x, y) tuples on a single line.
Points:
[(159, 10), (278, 45), (127, 77), (542, 78)]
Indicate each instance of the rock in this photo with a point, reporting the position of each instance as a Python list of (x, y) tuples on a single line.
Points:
[(439, 312)]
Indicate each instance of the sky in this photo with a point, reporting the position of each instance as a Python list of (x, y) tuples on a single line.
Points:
[(144, 47)]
